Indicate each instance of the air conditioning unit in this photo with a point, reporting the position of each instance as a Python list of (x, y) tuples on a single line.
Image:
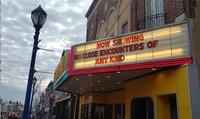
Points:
[(180, 18)]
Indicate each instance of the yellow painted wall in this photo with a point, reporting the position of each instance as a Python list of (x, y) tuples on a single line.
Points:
[(156, 86), (166, 82), (111, 98), (62, 65), (163, 107), (116, 97)]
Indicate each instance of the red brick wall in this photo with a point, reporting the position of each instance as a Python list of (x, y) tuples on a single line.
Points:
[(137, 14), (101, 15), (172, 9), (89, 36)]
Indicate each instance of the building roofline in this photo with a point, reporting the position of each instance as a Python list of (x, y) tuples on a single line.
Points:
[(92, 6)]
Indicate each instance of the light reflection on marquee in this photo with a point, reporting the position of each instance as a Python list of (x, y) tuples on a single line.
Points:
[(173, 43)]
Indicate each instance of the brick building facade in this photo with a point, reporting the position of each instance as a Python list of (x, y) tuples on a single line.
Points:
[(116, 77), (132, 11)]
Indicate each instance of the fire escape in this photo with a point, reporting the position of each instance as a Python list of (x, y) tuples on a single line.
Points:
[(172, 10)]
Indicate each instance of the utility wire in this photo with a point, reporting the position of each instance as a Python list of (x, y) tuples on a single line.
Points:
[(119, 17)]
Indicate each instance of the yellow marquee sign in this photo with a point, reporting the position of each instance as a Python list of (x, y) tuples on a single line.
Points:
[(165, 43)]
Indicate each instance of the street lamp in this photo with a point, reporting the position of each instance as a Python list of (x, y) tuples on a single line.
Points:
[(33, 92), (38, 17)]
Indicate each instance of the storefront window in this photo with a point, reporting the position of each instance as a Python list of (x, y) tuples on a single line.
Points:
[(103, 111), (87, 111), (142, 108), (109, 111), (99, 112), (119, 111)]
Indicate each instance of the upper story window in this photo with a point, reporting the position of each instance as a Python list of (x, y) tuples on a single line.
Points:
[(154, 13), (101, 31), (111, 23), (125, 28)]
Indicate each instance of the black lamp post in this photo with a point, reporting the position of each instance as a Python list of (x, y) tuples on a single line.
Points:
[(33, 92), (38, 17)]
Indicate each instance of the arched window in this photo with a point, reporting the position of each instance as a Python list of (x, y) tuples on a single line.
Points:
[(101, 30), (111, 23)]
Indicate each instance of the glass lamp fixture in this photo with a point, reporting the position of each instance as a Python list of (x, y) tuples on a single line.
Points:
[(38, 16)]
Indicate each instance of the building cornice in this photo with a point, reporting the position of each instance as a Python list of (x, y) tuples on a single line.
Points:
[(91, 8)]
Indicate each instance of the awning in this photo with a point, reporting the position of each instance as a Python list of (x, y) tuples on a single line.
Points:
[(102, 82), (105, 65), (60, 80)]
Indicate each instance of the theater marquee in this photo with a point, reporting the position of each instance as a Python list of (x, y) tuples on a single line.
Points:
[(152, 45)]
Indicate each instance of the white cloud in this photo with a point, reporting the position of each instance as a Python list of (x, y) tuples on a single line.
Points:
[(65, 26)]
